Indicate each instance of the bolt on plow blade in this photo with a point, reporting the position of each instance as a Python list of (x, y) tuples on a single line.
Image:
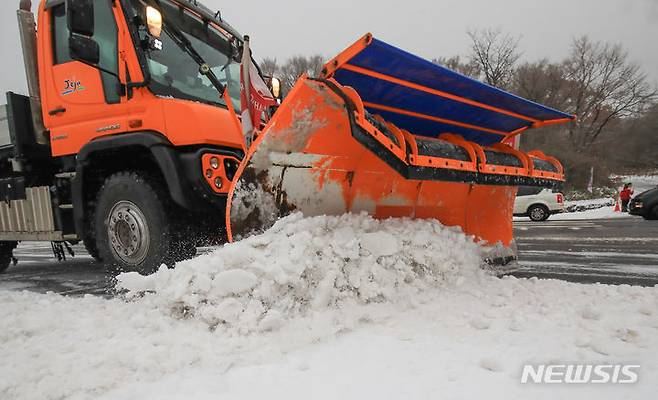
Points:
[(367, 138)]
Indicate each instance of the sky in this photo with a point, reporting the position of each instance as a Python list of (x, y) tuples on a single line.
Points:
[(428, 28)]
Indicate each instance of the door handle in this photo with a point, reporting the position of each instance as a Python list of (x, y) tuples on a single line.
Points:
[(57, 111)]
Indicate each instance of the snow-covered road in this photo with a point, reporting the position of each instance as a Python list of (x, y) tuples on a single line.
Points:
[(324, 309), (464, 342)]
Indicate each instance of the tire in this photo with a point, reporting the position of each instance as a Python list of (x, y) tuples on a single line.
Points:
[(131, 224), (538, 213), (92, 249), (89, 239), (6, 254)]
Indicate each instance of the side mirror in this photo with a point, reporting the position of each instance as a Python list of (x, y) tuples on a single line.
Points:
[(80, 17), (84, 49)]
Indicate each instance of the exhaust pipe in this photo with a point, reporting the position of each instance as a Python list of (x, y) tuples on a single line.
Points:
[(27, 31)]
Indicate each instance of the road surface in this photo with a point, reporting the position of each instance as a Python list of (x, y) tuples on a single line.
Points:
[(614, 251)]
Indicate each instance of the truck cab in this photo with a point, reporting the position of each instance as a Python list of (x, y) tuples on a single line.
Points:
[(128, 140)]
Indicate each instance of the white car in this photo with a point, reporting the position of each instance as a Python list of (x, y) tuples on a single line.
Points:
[(538, 203)]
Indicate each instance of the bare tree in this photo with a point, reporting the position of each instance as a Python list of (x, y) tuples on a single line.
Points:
[(496, 54), (468, 68), (542, 82), (638, 153), (616, 105), (646, 141), (604, 86), (296, 66), (269, 67)]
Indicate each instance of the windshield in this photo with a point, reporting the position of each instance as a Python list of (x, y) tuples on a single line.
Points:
[(174, 73)]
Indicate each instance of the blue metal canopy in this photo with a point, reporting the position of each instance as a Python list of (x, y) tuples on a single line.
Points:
[(428, 99)]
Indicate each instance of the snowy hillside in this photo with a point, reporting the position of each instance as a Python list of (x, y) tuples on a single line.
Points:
[(324, 308)]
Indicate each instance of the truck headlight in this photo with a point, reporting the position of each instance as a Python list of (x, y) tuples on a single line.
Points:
[(214, 163)]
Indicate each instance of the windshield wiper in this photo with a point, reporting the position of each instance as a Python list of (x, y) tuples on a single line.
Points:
[(184, 43)]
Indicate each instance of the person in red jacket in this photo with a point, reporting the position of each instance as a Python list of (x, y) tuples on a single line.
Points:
[(625, 196)]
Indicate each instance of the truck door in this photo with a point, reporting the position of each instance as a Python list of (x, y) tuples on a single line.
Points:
[(81, 101)]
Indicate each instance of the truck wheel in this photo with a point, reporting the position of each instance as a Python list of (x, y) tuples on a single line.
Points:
[(132, 230), (6, 253), (92, 249), (538, 213)]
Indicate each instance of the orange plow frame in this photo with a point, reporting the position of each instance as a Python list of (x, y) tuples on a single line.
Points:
[(308, 160), (324, 153)]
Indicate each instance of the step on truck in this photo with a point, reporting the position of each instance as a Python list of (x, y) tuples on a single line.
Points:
[(130, 142)]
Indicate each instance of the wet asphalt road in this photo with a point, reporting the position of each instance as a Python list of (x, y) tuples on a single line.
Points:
[(614, 251), (37, 270), (618, 251)]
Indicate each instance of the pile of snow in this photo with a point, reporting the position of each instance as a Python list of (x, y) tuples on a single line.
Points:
[(607, 212), (309, 265), (327, 308), (586, 205)]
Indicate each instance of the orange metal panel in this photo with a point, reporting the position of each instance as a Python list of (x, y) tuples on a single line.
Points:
[(489, 212), (553, 122), (445, 201), (344, 57)]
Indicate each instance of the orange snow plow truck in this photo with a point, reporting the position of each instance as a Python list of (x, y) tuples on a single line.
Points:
[(130, 141)]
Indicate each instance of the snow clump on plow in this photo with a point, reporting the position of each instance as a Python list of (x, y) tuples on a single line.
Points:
[(306, 265)]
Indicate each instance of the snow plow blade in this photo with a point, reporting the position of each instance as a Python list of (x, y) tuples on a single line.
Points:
[(385, 132)]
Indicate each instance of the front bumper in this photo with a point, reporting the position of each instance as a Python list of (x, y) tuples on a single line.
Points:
[(636, 212), (637, 208)]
